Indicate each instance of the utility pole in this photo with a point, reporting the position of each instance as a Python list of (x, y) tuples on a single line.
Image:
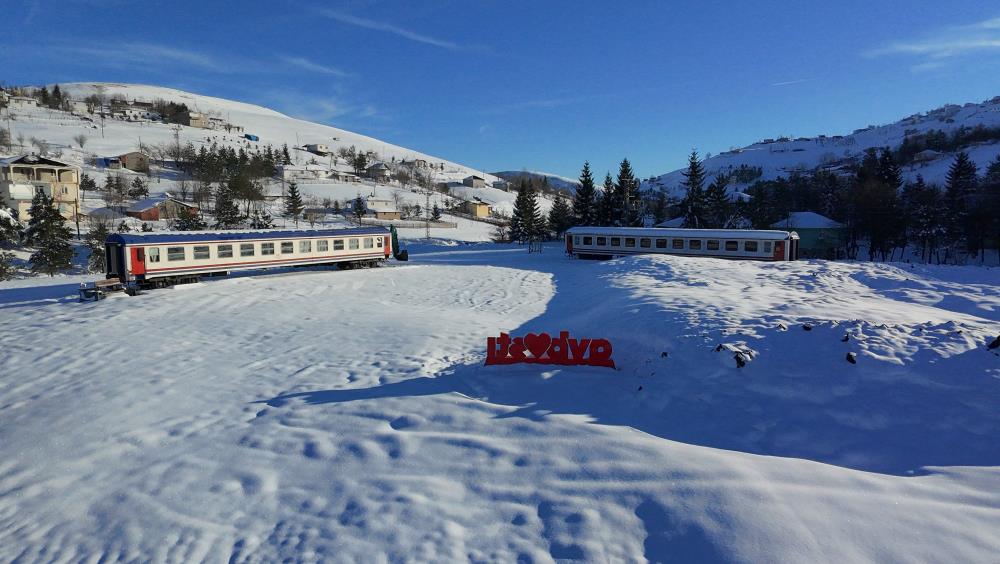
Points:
[(427, 215)]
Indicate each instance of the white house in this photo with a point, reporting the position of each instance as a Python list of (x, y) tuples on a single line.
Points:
[(303, 172), (381, 208), (474, 181), (318, 149)]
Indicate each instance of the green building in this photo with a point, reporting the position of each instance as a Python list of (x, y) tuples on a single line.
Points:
[(819, 236)]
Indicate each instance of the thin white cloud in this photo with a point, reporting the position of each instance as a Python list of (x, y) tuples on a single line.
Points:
[(949, 43), (389, 28), (791, 82), (119, 54), (310, 66)]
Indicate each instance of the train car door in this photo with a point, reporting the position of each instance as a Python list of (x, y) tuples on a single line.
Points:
[(138, 255), (779, 250)]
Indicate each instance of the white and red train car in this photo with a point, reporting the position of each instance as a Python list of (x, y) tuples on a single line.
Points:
[(150, 260), (746, 244)]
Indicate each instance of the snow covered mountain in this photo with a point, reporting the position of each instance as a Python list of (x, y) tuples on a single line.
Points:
[(554, 180), (783, 156)]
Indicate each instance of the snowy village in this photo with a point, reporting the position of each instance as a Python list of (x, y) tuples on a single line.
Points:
[(258, 306)]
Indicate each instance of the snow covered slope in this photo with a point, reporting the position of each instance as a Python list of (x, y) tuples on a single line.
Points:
[(781, 157), (347, 416), (554, 180)]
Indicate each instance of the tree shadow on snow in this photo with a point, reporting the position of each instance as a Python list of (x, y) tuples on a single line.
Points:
[(872, 416)]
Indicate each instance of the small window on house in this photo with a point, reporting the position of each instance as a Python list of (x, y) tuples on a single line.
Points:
[(322, 246), (175, 253), (246, 249), (202, 252), (694, 244), (588, 240), (224, 251), (369, 243), (645, 243), (352, 244), (267, 248), (732, 245), (602, 241), (677, 243), (153, 254), (712, 245), (305, 246), (767, 247), (661, 243), (616, 241), (750, 246), (287, 247), (338, 244)]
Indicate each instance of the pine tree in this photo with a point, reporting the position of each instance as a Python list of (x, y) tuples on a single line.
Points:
[(56, 100), (436, 212), (95, 241), (138, 190), (560, 217), (293, 203), (37, 217), (960, 186), (286, 159), (694, 204), (526, 221), (87, 183), (584, 203), (358, 208), (189, 220), (627, 196), (10, 227), (227, 211), (659, 207), (50, 236), (924, 215), (718, 206), (606, 203), (261, 220)]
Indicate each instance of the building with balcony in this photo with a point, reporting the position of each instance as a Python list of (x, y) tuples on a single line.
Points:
[(22, 177)]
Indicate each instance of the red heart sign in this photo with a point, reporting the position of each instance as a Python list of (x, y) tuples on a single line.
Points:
[(537, 345)]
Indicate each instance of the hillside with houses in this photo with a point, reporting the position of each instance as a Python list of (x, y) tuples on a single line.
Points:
[(135, 155)]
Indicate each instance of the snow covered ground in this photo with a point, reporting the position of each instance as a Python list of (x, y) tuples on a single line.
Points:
[(346, 416)]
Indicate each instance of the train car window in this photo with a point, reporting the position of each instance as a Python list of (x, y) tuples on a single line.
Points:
[(616, 242), (224, 251), (750, 246), (338, 244), (153, 254), (645, 243), (630, 241), (287, 247), (767, 247), (694, 244), (175, 253), (732, 245), (305, 246), (202, 252), (322, 246), (661, 243), (602, 241), (677, 244), (712, 245), (378, 242), (352, 244), (576, 239), (246, 249), (588, 240), (267, 248), (369, 243)]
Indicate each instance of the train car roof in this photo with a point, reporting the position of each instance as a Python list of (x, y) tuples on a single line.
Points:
[(239, 235), (767, 234)]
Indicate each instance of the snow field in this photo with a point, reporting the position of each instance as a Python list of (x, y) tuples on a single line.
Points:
[(323, 415)]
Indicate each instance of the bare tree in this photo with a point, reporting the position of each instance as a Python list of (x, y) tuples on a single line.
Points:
[(20, 140), (403, 175), (41, 144), (80, 140)]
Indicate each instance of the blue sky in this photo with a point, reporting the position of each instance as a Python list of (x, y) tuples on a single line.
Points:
[(539, 85)]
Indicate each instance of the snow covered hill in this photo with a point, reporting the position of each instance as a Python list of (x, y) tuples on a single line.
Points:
[(555, 181), (58, 130), (781, 157), (347, 416)]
